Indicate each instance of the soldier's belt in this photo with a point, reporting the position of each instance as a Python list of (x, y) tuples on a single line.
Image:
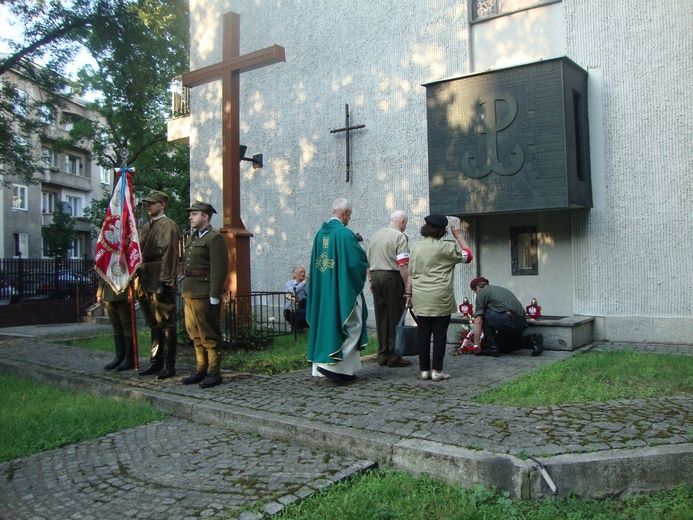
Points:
[(197, 272)]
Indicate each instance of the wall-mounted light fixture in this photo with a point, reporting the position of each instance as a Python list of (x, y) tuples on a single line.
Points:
[(256, 159)]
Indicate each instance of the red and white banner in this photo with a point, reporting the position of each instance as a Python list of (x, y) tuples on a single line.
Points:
[(118, 249)]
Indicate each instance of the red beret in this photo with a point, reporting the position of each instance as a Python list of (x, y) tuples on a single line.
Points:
[(477, 281)]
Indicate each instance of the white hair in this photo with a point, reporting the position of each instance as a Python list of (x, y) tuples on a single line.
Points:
[(340, 205), (398, 215)]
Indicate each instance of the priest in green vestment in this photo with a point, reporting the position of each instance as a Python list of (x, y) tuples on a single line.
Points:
[(336, 309)]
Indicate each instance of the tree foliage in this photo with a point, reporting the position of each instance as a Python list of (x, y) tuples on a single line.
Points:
[(58, 237), (138, 47)]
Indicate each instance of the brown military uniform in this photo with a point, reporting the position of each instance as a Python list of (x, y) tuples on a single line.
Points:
[(119, 314), (206, 266), (117, 308), (157, 277)]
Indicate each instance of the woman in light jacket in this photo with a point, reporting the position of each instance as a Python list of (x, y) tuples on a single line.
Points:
[(430, 289)]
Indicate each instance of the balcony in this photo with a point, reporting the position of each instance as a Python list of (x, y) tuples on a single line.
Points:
[(178, 127), (58, 178)]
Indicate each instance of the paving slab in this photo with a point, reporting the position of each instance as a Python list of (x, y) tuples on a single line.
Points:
[(391, 417)]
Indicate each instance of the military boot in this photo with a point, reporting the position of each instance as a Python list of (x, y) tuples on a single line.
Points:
[(214, 370), (170, 345), (200, 369), (156, 361), (119, 353), (128, 362)]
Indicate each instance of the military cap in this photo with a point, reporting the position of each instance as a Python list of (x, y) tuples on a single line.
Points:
[(156, 196), (437, 220), (204, 207)]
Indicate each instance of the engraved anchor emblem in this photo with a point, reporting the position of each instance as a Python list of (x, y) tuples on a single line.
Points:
[(491, 126)]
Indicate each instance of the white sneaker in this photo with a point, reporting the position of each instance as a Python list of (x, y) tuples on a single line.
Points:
[(426, 375), (439, 376)]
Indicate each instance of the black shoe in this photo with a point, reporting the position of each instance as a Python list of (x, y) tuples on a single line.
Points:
[(538, 342), (127, 364), (168, 371), (151, 369), (491, 351), (114, 364), (194, 378), (339, 379), (211, 380)]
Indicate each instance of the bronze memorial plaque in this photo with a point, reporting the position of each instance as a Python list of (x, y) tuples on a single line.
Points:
[(509, 140)]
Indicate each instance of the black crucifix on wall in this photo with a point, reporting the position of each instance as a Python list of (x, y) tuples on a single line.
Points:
[(347, 129)]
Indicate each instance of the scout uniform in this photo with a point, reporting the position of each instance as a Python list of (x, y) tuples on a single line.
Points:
[(206, 266)]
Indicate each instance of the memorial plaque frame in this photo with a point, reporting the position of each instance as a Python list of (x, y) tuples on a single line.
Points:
[(509, 140)]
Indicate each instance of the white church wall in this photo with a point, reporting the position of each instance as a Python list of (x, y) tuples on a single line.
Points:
[(527, 36), (631, 255), (554, 278), (288, 110), (634, 255)]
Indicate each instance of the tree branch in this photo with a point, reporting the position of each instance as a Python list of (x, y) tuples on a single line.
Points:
[(13, 60)]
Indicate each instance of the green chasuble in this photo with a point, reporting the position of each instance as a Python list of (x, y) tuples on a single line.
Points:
[(337, 277)]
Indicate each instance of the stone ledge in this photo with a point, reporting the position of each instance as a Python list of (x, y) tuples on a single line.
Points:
[(560, 332), (615, 472)]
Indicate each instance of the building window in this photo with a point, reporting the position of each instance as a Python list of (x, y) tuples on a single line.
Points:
[(21, 245), (77, 248), (50, 159), (73, 165), (105, 174), (523, 254), (74, 206), (47, 202), (20, 200), (69, 121), (46, 115), (482, 9), (21, 105)]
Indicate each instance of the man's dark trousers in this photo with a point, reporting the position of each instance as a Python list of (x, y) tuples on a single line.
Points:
[(506, 328), (388, 300)]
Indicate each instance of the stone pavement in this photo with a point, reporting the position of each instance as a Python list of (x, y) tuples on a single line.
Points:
[(289, 434)]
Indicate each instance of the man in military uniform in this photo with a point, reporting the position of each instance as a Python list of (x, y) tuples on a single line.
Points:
[(159, 239), (206, 266)]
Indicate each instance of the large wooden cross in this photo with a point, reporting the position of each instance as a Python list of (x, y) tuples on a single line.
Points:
[(229, 70)]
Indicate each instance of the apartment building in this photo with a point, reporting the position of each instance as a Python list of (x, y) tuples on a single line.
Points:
[(70, 178)]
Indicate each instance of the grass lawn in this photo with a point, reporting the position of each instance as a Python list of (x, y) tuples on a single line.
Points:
[(598, 376), (394, 495), (36, 417)]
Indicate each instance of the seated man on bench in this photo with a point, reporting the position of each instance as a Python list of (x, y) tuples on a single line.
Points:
[(295, 305)]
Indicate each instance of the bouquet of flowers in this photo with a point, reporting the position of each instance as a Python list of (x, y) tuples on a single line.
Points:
[(467, 342)]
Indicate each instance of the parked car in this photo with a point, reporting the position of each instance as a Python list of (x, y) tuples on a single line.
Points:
[(67, 286)]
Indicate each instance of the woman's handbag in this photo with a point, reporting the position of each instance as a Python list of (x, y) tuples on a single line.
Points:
[(406, 336)]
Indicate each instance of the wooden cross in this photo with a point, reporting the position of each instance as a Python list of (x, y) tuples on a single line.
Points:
[(228, 71), (347, 129)]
